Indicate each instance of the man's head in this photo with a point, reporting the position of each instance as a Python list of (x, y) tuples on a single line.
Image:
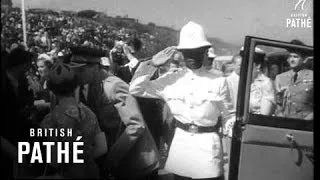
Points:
[(236, 62), (296, 57), (44, 63), (62, 79), (86, 63), (193, 44), (19, 59), (274, 71), (258, 62), (207, 63)]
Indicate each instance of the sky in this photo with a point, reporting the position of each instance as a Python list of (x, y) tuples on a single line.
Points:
[(229, 20)]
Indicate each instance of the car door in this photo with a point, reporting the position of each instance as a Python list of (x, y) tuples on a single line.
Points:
[(268, 147)]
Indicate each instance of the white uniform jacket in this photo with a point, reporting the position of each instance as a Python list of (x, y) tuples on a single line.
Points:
[(193, 96)]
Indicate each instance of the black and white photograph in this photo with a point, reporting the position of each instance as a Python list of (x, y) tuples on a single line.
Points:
[(157, 89)]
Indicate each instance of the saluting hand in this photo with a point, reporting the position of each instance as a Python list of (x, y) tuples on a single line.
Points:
[(163, 56)]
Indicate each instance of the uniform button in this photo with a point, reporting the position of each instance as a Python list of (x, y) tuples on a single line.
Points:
[(307, 89), (191, 106), (191, 93)]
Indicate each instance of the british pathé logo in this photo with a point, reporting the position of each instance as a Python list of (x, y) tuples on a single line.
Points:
[(299, 17), (300, 4)]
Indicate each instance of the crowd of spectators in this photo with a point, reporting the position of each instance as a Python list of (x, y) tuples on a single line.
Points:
[(52, 33)]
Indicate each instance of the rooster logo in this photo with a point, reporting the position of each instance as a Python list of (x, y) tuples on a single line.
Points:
[(301, 3)]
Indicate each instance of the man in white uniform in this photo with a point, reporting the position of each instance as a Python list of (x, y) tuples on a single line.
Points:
[(196, 99)]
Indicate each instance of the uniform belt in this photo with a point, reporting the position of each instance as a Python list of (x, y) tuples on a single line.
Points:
[(193, 128)]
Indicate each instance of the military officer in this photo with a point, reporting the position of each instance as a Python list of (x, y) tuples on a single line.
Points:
[(296, 87), (196, 98), (132, 150)]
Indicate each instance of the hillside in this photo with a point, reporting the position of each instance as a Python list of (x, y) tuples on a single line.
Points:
[(168, 36), (154, 37), (164, 36)]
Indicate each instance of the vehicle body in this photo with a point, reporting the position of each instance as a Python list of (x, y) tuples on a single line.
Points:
[(268, 147)]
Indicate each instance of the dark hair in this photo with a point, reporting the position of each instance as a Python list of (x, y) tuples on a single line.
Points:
[(258, 58), (18, 57), (64, 88)]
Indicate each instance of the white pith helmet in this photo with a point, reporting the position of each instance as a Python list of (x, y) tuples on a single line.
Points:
[(192, 36)]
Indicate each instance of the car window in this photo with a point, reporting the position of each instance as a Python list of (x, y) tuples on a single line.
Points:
[(281, 83)]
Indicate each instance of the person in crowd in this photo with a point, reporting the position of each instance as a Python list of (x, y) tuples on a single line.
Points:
[(117, 56), (274, 71), (295, 87), (233, 80), (208, 63), (233, 84), (44, 64), (19, 111), (132, 150), (69, 113), (177, 62), (262, 93), (130, 49), (196, 99), (42, 95)]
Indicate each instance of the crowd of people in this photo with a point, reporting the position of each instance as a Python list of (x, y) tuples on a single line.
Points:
[(53, 33), (90, 78)]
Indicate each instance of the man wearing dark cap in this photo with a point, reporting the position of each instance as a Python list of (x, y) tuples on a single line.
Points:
[(132, 151), (295, 87)]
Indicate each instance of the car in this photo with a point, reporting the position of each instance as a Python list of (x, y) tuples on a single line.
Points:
[(269, 147)]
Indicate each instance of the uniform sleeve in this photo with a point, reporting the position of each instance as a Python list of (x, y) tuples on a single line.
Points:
[(131, 116), (142, 86)]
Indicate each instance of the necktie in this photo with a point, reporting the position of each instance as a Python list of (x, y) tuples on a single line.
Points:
[(295, 77)]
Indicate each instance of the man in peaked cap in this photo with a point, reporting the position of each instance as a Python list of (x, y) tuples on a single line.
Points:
[(295, 87), (132, 151), (196, 99)]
